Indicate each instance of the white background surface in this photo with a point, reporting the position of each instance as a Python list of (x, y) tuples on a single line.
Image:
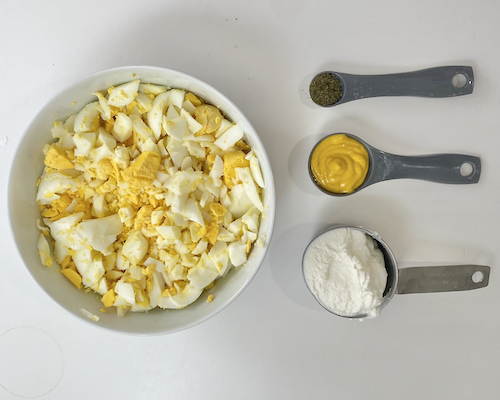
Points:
[(274, 341)]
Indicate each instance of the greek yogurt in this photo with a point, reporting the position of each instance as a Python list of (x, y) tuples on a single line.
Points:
[(345, 271)]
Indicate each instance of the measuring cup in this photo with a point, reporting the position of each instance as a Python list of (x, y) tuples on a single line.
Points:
[(447, 278), (382, 166), (449, 81)]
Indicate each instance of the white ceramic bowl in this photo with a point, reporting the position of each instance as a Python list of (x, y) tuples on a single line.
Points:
[(23, 210)]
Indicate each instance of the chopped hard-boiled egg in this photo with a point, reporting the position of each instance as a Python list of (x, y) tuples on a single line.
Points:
[(150, 195)]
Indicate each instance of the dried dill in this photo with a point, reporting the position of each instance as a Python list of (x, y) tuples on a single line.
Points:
[(325, 89)]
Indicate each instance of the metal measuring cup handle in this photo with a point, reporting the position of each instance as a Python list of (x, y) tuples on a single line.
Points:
[(447, 278)]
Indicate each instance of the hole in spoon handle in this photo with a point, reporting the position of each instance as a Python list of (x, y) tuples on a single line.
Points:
[(436, 82), (448, 278), (440, 168)]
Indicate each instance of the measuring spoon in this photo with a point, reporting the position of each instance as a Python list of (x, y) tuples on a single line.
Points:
[(436, 82), (382, 166), (435, 279)]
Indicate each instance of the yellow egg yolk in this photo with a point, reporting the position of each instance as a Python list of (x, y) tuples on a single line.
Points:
[(339, 164)]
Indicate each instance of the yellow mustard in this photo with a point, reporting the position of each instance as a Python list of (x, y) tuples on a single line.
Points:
[(339, 164)]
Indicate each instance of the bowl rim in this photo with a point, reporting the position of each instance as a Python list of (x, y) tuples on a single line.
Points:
[(270, 211)]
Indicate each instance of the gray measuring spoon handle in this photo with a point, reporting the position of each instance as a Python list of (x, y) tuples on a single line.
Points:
[(442, 278), (440, 168), (432, 82)]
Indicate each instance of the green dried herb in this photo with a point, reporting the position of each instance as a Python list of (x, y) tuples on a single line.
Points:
[(325, 89)]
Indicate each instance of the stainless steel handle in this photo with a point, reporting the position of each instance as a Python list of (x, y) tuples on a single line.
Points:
[(442, 278)]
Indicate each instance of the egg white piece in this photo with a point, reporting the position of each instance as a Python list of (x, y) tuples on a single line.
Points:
[(100, 233), (140, 128), (59, 131), (121, 262), (155, 114), (195, 149), (219, 256), (99, 153), (44, 250), (188, 106), (89, 315), (176, 150), (248, 236), (183, 182), (85, 118), (105, 138), (100, 206), (176, 97), (124, 94), (239, 201), (82, 259), (135, 247), (148, 145), (245, 176), (236, 227), (60, 251), (193, 125), (176, 128), (200, 247), (84, 142), (230, 137), (166, 303), (192, 212), (156, 217), (159, 265), (224, 126), (127, 215), (93, 274), (225, 236), (169, 232), (125, 291), (69, 124), (141, 307), (176, 272), (237, 253), (53, 183), (122, 157), (122, 128), (188, 296), (251, 219), (217, 171), (143, 102), (62, 230), (157, 288), (171, 113), (256, 172), (149, 88), (203, 274), (103, 287), (103, 104)]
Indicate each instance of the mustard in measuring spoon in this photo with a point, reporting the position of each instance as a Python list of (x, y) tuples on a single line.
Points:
[(339, 164)]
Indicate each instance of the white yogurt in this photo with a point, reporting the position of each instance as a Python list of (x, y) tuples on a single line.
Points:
[(345, 271)]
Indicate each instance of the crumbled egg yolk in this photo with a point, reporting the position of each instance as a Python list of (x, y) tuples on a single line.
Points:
[(233, 160), (149, 194)]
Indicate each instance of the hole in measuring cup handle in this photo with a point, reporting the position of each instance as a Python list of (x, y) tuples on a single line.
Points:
[(466, 169), (460, 80), (477, 277)]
